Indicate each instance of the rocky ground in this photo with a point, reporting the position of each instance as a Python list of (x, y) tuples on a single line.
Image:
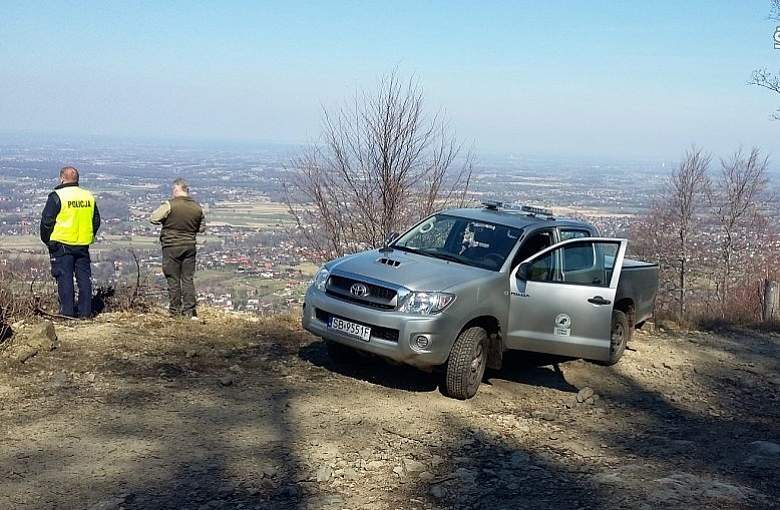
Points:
[(138, 412)]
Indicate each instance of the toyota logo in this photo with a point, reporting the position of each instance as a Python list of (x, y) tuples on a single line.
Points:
[(359, 290)]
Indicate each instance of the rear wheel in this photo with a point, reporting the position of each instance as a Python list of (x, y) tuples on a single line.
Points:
[(466, 364), (620, 332)]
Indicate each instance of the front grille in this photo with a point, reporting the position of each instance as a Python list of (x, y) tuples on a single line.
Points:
[(343, 283), (388, 334), (378, 295), (358, 301)]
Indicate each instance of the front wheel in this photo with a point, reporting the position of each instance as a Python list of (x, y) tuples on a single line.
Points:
[(466, 364)]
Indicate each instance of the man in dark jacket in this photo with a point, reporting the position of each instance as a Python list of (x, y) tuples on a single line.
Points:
[(69, 223), (181, 218)]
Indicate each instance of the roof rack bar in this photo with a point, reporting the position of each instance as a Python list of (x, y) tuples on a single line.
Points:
[(529, 210), (493, 205), (537, 211)]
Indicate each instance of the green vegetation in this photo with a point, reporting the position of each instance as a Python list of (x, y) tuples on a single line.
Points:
[(232, 280), (264, 215), (20, 243), (104, 243), (307, 268)]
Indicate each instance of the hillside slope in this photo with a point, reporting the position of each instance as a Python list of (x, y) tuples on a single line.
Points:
[(142, 412)]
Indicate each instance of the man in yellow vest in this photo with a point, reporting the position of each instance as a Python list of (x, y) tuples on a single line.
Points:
[(69, 224)]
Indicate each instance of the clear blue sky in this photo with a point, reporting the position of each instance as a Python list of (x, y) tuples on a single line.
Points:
[(610, 78)]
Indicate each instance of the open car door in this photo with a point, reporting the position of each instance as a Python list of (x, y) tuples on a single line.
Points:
[(561, 299)]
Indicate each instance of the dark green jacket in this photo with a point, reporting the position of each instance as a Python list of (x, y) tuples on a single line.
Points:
[(181, 219)]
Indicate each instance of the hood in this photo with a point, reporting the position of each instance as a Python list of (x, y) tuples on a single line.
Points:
[(410, 270)]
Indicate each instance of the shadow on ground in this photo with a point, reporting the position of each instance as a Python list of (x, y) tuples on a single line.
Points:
[(371, 369), (208, 417), (155, 431), (534, 369), (523, 368)]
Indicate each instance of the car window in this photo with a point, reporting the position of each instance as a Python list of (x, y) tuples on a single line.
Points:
[(533, 244), (581, 263), (608, 254), (467, 241), (435, 234), (569, 233), (578, 258), (543, 268)]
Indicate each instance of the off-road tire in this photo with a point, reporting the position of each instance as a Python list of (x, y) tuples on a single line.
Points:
[(340, 353), (619, 335), (466, 364)]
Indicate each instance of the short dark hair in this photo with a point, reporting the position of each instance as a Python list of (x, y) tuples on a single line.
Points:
[(70, 174), (182, 185)]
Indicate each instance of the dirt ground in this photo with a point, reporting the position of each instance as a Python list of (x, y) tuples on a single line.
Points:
[(138, 412)]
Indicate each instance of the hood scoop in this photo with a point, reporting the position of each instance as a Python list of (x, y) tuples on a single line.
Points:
[(389, 262)]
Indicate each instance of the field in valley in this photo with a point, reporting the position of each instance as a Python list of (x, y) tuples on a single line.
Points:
[(255, 215)]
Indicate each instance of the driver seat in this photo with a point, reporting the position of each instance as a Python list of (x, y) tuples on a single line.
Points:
[(487, 237)]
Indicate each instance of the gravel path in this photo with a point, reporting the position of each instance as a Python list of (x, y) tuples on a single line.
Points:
[(138, 412)]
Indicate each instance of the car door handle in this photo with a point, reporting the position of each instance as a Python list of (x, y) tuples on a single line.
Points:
[(598, 300)]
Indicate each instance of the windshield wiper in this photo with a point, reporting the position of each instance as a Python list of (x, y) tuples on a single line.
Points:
[(435, 254), (406, 248), (445, 256)]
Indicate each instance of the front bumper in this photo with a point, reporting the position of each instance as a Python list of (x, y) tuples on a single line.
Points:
[(440, 329)]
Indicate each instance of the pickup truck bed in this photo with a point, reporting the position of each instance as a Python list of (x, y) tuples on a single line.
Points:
[(639, 280)]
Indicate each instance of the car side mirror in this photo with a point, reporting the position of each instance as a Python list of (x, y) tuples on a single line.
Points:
[(522, 271)]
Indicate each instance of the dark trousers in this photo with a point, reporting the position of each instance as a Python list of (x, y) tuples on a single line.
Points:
[(179, 269), (67, 262)]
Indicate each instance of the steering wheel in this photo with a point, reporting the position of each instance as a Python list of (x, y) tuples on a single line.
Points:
[(496, 259)]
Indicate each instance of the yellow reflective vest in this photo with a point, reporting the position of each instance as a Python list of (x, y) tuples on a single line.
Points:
[(73, 224)]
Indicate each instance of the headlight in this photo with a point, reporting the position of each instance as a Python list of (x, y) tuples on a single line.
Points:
[(321, 279), (426, 303)]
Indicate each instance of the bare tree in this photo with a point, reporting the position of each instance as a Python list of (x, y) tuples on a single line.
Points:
[(768, 80), (737, 202), (774, 10), (714, 241), (763, 77), (688, 188), (19, 277), (667, 233), (653, 239), (382, 165)]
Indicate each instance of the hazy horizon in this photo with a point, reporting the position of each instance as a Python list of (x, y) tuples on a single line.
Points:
[(589, 80), (480, 158)]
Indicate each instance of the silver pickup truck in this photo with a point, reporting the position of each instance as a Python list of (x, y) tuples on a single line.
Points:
[(464, 285)]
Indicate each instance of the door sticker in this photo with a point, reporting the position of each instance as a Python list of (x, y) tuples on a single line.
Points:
[(562, 325)]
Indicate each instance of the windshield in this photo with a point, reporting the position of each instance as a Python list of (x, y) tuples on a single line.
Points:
[(471, 242)]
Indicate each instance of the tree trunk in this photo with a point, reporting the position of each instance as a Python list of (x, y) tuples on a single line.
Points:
[(771, 300), (682, 289)]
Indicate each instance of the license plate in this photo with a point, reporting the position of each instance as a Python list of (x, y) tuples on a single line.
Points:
[(350, 328)]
